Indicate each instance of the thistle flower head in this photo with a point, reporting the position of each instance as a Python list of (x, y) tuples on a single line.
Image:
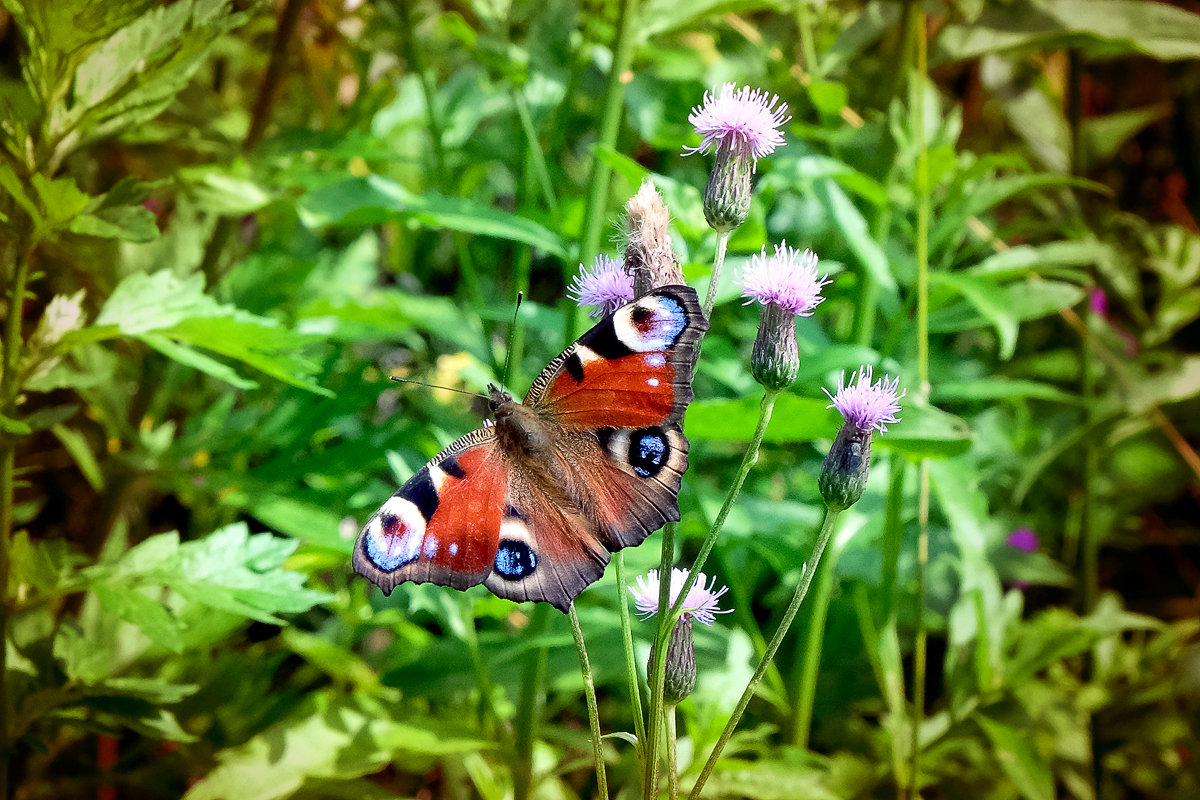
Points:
[(606, 286), (743, 118), (787, 279), (700, 603), (865, 405)]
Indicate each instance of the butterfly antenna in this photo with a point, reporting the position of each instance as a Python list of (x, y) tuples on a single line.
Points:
[(436, 386), (512, 341)]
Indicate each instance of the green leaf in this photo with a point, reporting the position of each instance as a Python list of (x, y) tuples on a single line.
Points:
[(174, 315), (794, 419), (926, 432), (1103, 137), (220, 191), (855, 232), (14, 426), (989, 300), (1019, 261), (77, 445), (997, 388), (131, 605), (809, 168), (375, 199), (127, 223), (304, 521), (1098, 27), (1020, 758), (60, 200)]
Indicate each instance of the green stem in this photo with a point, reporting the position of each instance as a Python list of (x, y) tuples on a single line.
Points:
[(718, 262), (806, 690), (466, 263), (598, 179), (487, 693), (538, 158), (658, 675), (672, 755), (810, 567), (748, 460), (631, 670), (808, 45), (533, 698), (922, 255), (589, 691), (9, 388)]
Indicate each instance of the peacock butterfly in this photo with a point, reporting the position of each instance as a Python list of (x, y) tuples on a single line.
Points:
[(532, 504)]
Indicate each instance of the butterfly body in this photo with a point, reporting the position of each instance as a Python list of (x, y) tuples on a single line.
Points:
[(532, 505)]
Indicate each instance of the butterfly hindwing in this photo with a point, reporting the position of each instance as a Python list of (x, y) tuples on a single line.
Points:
[(441, 526)]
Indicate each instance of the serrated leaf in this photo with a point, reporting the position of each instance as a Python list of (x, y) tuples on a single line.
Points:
[(129, 604)]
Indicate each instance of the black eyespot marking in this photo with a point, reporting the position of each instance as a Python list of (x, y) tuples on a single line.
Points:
[(421, 492), (451, 467), (648, 451), (574, 367), (515, 560)]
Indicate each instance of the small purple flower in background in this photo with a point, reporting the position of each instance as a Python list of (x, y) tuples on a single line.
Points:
[(1099, 301), (746, 118), (742, 126), (606, 286), (1023, 539), (787, 279), (700, 603), (865, 405)]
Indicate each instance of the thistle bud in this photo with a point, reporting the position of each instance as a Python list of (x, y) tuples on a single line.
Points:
[(680, 678), (728, 194), (776, 358), (844, 473), (865, 407)]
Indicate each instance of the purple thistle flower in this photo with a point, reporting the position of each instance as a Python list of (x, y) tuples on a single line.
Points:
[(1023, 539), (700, 603), (606, 286), (787, 279), (865, 405), (744, 118)]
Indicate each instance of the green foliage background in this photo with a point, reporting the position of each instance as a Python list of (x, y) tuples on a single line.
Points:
[(224, 224)]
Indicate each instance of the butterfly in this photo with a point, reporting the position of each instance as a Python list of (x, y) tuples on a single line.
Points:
[(532, 504)]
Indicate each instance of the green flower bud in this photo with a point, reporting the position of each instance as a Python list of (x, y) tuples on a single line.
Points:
[(844, 473), (775, 360), (728, 194), (681, 663)]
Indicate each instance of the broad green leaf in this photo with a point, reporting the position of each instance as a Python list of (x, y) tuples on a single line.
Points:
[(1103, 137), (1020, 758), (128, 223), (220, 191), (809, 168), (1026, 258), (60, 200), (794, 419), (304, 521), (196, 360), (997, 388), (375, 199), (989, 300), (925, 432)]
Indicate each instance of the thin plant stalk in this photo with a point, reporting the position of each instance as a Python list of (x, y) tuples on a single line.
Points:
[(10, 386), (537, 157), (922, 256), (710, 299), (631, 670), (827, 526), (672, 755), (667, 621), (810, 659), (589, 692), (533, 698), (598, 179), (658, 674)]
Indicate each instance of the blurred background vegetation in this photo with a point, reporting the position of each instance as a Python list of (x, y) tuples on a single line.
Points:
[(223, 224)]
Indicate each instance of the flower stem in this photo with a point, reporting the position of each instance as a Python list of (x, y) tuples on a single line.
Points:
[(533, 698), (658, 673), (598, 180), (748, 460), (806, 688), (806, 577), (922, 256), (672, 764), (631, 670), (9, 388), (589, 692), (710, 299)]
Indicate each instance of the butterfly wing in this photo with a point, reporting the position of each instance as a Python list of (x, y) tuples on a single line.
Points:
[(615, 401), (443, 525)]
